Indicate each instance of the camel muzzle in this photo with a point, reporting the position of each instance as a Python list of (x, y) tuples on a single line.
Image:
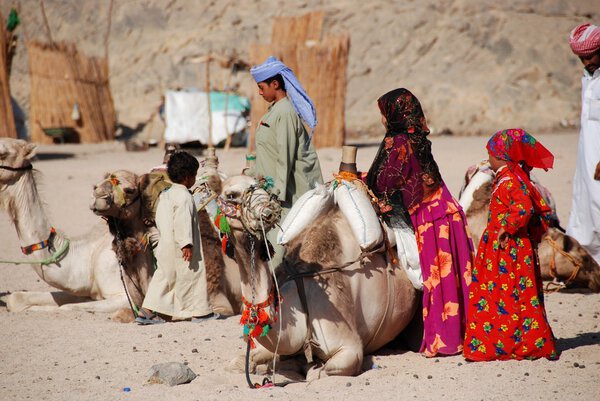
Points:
[(259, 211)]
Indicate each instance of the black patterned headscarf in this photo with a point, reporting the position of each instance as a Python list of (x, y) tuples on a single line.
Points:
[(404, 115)]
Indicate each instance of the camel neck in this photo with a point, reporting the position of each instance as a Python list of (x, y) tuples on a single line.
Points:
[(257, 284), (27, 211)]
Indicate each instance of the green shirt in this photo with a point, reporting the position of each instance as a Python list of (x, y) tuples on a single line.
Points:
[(282, 153)]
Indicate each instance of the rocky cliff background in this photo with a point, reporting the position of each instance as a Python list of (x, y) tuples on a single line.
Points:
[(476, 65)]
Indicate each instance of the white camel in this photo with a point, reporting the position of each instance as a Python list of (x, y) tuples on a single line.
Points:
[(562, 259), (85, 269), (353, 305)]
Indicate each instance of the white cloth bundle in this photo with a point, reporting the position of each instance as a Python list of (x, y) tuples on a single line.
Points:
[(408, 254), (305, 211), (356, 207)]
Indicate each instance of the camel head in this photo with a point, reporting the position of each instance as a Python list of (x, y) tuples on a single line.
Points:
[(568, 253), (15, 160), (117, 195), (248, 205)]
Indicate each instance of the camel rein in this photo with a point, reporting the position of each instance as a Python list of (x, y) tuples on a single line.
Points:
[(255, 318), (143, 243), (556, 283)]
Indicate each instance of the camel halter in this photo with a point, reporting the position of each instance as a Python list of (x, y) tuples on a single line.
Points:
[(251, 209), (556, 283), (28, 250), (22, 168), (47, 243), (54, 258)]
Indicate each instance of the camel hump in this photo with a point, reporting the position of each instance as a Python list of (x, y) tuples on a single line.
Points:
[(151, 185)]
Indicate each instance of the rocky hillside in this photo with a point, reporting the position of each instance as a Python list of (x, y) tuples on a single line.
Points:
[(476, 65)]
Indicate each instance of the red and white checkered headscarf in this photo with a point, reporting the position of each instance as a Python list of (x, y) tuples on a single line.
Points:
[(585, 40)]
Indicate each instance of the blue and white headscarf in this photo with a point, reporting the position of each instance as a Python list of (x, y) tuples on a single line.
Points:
[(298, 96)]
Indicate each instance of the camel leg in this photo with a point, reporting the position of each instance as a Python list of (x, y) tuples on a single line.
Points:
[(347, 361), (39, 301), (108, 305), (221, 304)]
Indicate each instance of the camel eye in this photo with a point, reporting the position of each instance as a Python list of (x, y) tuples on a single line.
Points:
[(129, 190)]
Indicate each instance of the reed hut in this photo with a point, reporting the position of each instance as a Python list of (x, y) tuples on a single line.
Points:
[(70, 94), (319, 63), (7, 121)]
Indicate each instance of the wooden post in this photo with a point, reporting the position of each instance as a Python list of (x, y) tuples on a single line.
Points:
[(46, 24), (7, 120), (228, 138), (210, 143), (107, 35), (348, 163)]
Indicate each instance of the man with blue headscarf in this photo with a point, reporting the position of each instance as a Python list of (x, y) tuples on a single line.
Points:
[(284, 150)]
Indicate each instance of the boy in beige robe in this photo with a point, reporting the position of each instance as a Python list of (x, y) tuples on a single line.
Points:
[(178, 288)]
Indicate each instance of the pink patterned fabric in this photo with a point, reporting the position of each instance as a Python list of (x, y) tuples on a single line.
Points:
[(446, 254), (585, 40)]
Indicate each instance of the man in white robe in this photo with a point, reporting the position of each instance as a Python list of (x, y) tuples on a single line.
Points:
[(584, 222)]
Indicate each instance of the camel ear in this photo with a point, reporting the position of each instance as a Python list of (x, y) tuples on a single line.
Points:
[(567, 243), (30, 151)]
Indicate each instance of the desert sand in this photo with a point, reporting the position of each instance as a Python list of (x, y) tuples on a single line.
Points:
[(84, 356)]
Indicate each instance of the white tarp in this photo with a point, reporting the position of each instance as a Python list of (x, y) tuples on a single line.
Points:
[(186, 118)]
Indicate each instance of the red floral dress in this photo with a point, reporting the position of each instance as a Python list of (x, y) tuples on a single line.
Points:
[(506, 318)]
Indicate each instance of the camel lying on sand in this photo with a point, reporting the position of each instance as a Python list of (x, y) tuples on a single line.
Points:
[(562, 258), (122, 187), (353, 305), (85, 269)]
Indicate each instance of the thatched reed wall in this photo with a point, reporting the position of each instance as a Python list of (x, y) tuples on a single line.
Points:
[(7, 121), (62, 77), (298, 30), (319, 64)]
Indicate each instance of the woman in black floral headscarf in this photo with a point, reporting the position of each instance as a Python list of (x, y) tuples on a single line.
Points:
[(415, 202)]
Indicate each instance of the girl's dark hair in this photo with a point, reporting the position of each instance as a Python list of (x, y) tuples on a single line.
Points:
[(181, 165), (277, 78)]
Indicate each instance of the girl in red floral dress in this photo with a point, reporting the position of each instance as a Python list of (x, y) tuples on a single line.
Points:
[(506, 318)]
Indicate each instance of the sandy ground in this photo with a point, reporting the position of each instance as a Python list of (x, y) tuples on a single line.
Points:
[(83, 356)]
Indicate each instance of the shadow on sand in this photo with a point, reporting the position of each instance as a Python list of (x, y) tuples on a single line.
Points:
[(580, 340), (54, 156)]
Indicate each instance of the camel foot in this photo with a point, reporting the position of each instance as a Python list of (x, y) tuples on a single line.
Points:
[(238, 364), (258, 356), (347, 361), (123, 315), (315, 372)]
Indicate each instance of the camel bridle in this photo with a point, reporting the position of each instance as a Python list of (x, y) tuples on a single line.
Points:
[(253, 207), (24, 167)]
